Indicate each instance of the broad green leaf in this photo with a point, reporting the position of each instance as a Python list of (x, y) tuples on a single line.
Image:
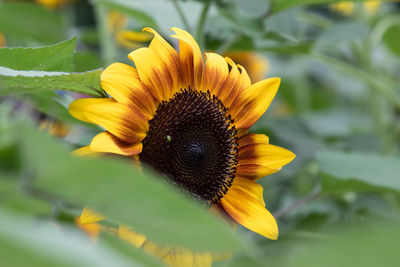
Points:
[(279, 5), (14, 198), (337, 122), (25, 242), (24, 21), (87, 60), (124, 194), (359, 171), (372, 244), (57, 57), (342, 32), (33, 82), (129, 8), (392, 39)]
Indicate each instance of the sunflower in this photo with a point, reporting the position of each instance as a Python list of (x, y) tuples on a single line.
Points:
[(187, 116)]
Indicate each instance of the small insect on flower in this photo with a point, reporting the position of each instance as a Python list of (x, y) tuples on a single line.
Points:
[(187, 116)]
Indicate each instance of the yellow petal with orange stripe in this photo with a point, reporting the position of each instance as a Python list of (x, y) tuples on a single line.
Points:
[(108, 143), (244, 203), (251, 104), (191, 59), (169, 56), (122, 82), (156, 75), (123, 121)]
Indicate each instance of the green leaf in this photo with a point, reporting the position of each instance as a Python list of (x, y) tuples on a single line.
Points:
[(341, 32), (57, 57), (359, 171), (29, 21), (129, 8), (279, 5), (356, 245), (124, 194), (43, 244), (87, 60), (392, 39), (33, 82)]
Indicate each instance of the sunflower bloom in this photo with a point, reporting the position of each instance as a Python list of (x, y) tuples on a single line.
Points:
[(187, 116)]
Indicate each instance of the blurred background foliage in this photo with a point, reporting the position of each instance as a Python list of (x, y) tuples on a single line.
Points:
[(338, 109)]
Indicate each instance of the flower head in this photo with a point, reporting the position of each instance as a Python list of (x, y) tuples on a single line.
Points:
[(188, 117)]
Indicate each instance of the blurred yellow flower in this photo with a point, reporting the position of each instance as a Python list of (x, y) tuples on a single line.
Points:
[(132, 39), (54, 127), (347, 8), (116, 23), (54, 4)]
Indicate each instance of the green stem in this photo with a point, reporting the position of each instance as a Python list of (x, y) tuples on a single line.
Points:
[(181, 15), (200, 24), (106, 41)]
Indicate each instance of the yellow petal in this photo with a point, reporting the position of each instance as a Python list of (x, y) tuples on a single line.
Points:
[(123, 121), (254, 171), (130, 236), (135, 36), (202, 259), (231, 89), (182, 257), (270, 156), (89, 216), (153, 72), (244, 203), (251, 104), (251, 138), (122, 82), (215, 73), (256, 64), (244, 77), (85, 151), (168, 55), (191, 59), (108, 143), (157, 251)]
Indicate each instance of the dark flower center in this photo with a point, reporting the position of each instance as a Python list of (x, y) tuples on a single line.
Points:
[(194, 143)]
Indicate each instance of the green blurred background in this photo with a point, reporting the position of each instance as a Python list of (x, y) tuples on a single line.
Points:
[(338, 110)]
